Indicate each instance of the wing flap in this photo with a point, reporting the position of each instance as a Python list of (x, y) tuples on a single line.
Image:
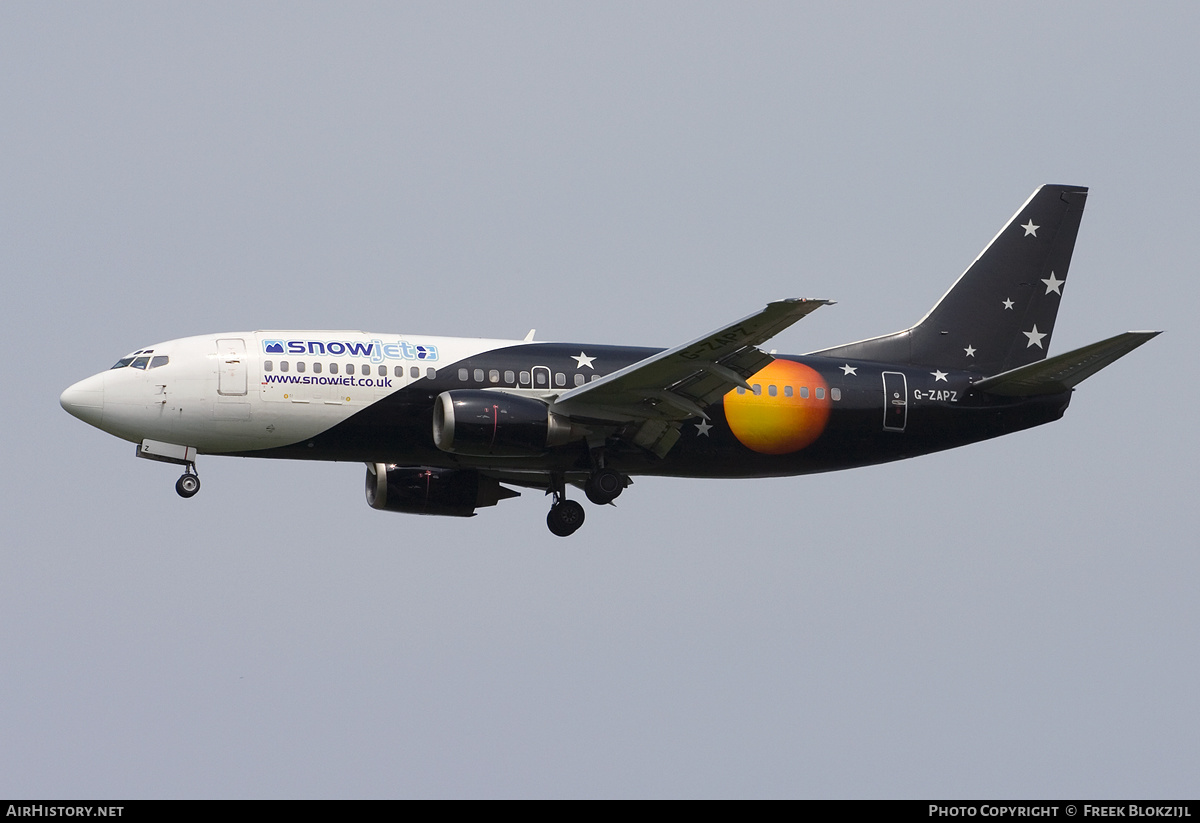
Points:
[(1065, 371), (679, 383)]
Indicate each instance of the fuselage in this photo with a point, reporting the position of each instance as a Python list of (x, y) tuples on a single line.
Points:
[(358, 396), (448, 425)]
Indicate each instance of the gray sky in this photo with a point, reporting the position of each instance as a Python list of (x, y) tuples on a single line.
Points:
[(1017, 618)]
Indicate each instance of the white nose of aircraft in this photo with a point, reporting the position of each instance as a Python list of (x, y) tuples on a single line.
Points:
[(85, 400)]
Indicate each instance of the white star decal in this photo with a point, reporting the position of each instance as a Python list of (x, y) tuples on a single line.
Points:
[(582, 360), (1030, 229), (970, 350), (1035, 337), (939, 375), (1008, 304), (702, 428), (1053, 284), (848, 369)]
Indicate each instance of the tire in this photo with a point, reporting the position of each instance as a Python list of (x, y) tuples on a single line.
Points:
[(565, 518), (187, 486), (604, 486)]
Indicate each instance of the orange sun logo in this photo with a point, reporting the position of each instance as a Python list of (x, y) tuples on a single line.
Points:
[(786, 412)]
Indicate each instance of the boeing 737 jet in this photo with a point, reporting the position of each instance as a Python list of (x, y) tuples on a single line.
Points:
[(449, 425)]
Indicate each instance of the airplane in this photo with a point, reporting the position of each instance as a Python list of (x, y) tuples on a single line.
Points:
[(450, 425)]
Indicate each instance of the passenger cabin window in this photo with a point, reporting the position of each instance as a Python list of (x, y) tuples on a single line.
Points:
[(283, 365), (560, 379), (524, 376), (431, 372), (579, 379), (300, 366), (478, 375), (414, 372), (349, 368), (333, 368), (804, 392), (494, 376), (787, 391), (267, 365), (381, 371), (462, 375), (772, 390), (836, 394), (316, 368), (820, 394), (509, 377)]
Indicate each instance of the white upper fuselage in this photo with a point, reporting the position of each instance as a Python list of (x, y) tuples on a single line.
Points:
[(243, 391)]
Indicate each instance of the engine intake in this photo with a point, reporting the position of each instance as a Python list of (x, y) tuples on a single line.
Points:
[(497, 424), (445, 492)]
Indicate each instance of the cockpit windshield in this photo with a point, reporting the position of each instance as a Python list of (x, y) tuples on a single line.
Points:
[(142, 360)]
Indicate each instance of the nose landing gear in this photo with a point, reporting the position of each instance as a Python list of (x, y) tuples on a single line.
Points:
[(187, 485)]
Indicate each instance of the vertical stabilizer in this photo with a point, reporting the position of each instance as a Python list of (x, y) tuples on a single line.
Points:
[(1000, 313)]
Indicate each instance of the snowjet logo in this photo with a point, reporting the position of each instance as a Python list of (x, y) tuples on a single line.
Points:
[(377, 350)]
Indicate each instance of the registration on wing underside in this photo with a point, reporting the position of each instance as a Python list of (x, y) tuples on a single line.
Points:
[(681, 382)]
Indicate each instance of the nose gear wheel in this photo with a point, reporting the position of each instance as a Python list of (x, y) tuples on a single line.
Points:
[(188, 483)]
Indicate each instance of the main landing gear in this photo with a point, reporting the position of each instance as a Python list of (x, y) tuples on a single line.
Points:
[(565, 517), (602, 487), (188, 483)]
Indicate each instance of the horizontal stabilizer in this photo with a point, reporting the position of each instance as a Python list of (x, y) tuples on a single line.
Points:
[(1058, 374)]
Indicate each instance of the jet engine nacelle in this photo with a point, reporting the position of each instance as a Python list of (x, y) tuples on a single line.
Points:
[(497, 424), (446, 492)]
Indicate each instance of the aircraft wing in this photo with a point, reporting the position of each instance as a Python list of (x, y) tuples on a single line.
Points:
[(682, 382)]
